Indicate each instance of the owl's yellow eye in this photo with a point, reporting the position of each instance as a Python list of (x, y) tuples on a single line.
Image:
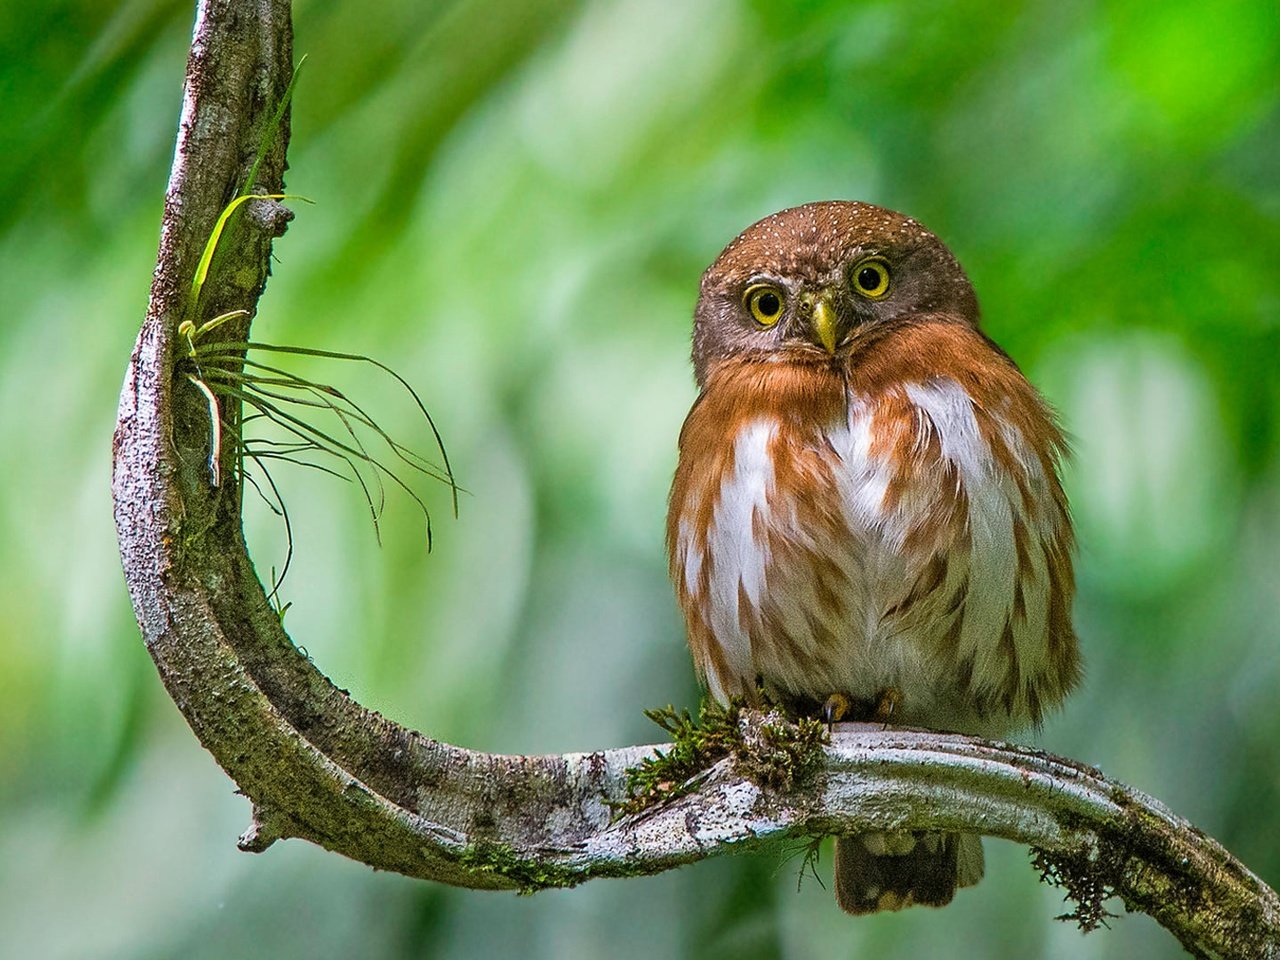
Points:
[(871, 278), (764, 300)]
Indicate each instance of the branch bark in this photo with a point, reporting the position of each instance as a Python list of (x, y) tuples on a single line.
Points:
[(319, 766)]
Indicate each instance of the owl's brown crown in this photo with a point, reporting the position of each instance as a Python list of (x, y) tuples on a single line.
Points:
[(809, 241)]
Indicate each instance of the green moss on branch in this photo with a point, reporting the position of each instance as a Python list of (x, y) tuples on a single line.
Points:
[(772, 750), (528, 874)]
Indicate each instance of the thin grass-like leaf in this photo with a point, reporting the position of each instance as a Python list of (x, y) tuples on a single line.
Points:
[(326, 395), (287, 458), (211, 245), (274, 596), (411, 457), (276, 506), (332, 400), (246, 384), (245, 345), (253, 483), (305, 438), (360, 453), (334, 449), (271, 129)]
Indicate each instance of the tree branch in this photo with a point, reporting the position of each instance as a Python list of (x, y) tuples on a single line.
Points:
[(319, 766)]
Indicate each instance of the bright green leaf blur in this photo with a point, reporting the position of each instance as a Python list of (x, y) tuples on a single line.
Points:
[(514, 204)]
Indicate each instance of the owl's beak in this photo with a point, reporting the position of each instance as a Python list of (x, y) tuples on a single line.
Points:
[(823, 321)]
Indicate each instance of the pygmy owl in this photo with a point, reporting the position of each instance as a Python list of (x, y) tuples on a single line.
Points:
[(867, 517)]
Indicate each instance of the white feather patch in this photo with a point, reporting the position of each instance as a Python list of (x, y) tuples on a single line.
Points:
[(993, 560), (738, 559), (864, 479)]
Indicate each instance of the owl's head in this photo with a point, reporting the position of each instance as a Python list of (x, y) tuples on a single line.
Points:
[(815, 281)]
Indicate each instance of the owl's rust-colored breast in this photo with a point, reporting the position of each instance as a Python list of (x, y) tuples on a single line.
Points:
[(753, 431), (895, 521)]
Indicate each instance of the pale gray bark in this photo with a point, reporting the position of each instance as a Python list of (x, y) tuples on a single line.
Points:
[(319, 766)]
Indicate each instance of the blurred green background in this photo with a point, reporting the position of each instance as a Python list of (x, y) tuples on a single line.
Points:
[(514, 203)]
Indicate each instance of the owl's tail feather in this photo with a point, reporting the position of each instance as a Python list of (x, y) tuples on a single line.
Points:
[(890, 871)]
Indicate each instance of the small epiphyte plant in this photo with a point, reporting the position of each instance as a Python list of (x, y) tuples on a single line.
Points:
[(241, 390)]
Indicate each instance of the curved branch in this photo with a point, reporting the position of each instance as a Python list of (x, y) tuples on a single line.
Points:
[(321, 767)]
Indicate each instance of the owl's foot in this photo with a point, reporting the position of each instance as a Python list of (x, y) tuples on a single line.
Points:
[(839, 707), (835, 709), (886, 703)]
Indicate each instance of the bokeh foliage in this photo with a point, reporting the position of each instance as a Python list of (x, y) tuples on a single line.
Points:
[(514, 202)]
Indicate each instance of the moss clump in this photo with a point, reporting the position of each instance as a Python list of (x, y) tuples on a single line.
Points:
[(778, 752), (529, 875), (773, 750), (1085, 876)]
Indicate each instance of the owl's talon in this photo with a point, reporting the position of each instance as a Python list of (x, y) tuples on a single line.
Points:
[(834, 709), (886, 703)]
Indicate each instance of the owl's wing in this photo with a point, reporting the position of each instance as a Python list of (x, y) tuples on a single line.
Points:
[(973, 504)]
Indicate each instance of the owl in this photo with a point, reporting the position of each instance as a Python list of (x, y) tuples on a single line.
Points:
[(867, 519)]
